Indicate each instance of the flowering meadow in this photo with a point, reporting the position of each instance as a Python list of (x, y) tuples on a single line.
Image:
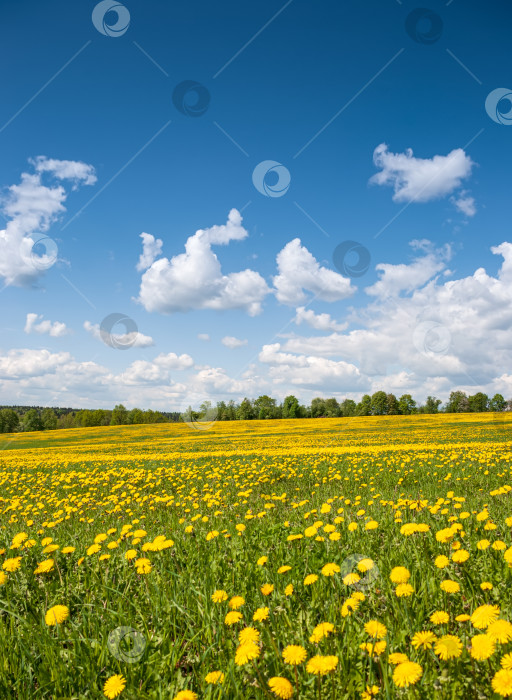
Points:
[(329, 558)]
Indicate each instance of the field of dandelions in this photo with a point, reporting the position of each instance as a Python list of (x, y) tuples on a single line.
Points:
[(329, 558)]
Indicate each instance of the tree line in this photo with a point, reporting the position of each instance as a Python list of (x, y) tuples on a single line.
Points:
[(30, 418)]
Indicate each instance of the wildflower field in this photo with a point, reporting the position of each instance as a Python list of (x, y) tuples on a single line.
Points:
[(329, 558)]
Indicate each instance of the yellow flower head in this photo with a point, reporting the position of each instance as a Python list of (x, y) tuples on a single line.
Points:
[(114, 686), (281, 687), (294, 654), (56, 615)]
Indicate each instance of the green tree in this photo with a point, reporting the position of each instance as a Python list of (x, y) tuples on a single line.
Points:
[(264, 407), (497, 403), (431, 405), (406, 405), (379, 403), (364, 407), (136, 416), (31, 421), (332, 408), (392, 407), (119, 415), (348, 408), (457, 403), (479, 402), (291, 407), (222, 413), (245, 411), (9, 420), (318, 408), (48, 419)]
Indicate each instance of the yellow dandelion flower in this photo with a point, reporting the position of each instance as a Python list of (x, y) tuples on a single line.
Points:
[(294, 654), (44, 566), (502, 682), (484, 615), (114, 686), (330, 569), (143, 566), (404, 590), (399, 575), (449, 586), (236, 602), (233, 617), (375, 629), (482, 647), (12, 565), (407, 673), (281, 687), (261, 614), (246, 652), (448, 646), (322, 630), (500, 631), (423, 640), (397, 658), (249, 634), (439, 617), (56, 615), (321, 665), (215, 678)]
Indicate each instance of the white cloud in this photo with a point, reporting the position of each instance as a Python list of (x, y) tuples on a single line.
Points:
[(464, 203), (420, 179), (322, 322), (30, 363), (157, 371), (407, 277), (203, 336), (132, 339), (151, 249), (311, 371), (66, 169), (31, 208), (55, 329), (298, 270), (444, 334), (231, 342), (194, 279)]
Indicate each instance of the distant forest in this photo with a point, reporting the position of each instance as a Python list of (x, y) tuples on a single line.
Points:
[(29, 418)]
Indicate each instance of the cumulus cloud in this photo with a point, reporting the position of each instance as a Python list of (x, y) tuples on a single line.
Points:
[(465, 204), (445, 333), (157, 371), (55, 329), (231, 342), (203, 336), (298, 270), (31, 207), (420, 179), (151, 249), (133, 339), (16, 364), (66, 170), (321, 322), (194, 279), (311, 371), (403, 277)]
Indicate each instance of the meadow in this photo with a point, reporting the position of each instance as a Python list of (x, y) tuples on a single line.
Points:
[(327, 558)]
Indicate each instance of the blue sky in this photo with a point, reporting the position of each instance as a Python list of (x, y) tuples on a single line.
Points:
[(336, 94)]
